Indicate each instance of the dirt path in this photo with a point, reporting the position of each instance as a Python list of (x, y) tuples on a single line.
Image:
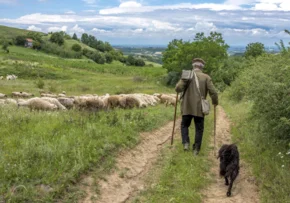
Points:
[(131, 167), (244, 188)]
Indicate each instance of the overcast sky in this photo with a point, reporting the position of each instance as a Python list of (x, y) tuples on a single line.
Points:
[(153, 22)]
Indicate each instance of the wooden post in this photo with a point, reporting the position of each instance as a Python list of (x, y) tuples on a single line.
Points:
[(176, 101)]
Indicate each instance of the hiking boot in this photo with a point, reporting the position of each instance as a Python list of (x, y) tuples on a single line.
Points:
[(195, 152), (186, 146)]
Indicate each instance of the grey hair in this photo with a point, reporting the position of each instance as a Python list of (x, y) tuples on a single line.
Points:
[(198, 64)]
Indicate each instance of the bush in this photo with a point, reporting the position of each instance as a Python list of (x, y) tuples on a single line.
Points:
[(57, 38), (266, 82), (76, 47), (39, 83), (20, 40)]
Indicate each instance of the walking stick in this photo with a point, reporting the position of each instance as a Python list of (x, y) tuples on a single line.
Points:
[(176, 100), (214, 131)]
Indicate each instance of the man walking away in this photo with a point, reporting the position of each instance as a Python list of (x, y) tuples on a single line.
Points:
[(191, 103)]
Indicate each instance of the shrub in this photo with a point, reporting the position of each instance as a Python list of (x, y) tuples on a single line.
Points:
[(76, 47), (20, 40), (39, 83), (57, 38)]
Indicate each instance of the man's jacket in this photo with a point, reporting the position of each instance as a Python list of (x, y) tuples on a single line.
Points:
[(191, 101)]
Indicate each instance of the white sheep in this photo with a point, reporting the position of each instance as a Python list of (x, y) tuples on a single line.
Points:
[(55, 102), (11, 77), (2, 95), (48, 95), (38, 104)]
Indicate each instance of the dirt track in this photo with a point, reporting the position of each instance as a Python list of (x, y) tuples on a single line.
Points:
[(244, 189), (128, 177), (130, 170)]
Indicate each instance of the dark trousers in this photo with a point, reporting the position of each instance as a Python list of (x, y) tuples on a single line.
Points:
[(199, 126)]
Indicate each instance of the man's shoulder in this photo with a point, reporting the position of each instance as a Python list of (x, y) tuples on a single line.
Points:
[(204, 75)]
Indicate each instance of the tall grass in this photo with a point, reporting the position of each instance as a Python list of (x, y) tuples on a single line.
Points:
[(42, 153), (269, 160), (180, 176)]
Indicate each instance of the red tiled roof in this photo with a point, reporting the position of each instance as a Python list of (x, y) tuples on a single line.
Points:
[(29, 40)]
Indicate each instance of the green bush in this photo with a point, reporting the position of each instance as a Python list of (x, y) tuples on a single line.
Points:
[(76, 47), (266, 82), (40, 83)]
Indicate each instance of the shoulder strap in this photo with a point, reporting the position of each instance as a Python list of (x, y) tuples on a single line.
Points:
[(187, 84), (197, 84)]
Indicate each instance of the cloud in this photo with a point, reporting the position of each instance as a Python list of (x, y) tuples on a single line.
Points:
[(57, 29), (97, 30), (77, 29), (70, 12), (89, 1), (34, 28)]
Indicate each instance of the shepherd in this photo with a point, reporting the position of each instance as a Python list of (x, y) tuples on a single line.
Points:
[(194, 86)]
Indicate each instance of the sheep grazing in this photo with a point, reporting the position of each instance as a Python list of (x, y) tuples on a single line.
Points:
[(67, 102), (2, 96), (48, 95), (63, 94), (11, 77), (89, 103), (2, 102), (11, 101), (38, 104), (167, 99), (55, 102), (229, 164), (113, 101), (21, 94)]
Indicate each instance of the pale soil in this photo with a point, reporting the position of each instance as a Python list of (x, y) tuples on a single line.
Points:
[(128, 177), (244, 188), (131, 168)]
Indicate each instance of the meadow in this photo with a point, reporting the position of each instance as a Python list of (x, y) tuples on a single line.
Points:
[(43, 154)]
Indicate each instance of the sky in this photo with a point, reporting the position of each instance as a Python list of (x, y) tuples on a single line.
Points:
[(153, 22)]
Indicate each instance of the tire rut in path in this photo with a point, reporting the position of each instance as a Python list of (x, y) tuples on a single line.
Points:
[(244, 188), (128, 176)]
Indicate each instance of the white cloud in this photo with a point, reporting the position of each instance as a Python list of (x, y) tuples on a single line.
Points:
[(96, 30), (89, 11), (34, 28), (70, 12), (57, 29), (77, 29), (89, 1), (130, 4)]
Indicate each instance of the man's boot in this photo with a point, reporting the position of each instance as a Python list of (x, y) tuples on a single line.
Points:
[(186, 146)]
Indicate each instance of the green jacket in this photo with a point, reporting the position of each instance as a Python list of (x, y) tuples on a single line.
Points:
[(191, 102)]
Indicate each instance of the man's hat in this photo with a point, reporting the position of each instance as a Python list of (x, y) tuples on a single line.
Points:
[(198, 60)]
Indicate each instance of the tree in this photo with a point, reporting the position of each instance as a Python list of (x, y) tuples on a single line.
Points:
[(36, 45), (139, 62), (36, 36), (254, 50), (76, 47), (20, 40), (109, 57), (57, 38), (5, 46), (75, 37), (130, 60)]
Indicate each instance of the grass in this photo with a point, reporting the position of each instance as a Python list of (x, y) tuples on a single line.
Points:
[(179, 176), (75, 76), (270, 162), (52, 149), (11, 33)]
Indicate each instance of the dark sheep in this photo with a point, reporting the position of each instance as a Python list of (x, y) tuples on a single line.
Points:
[(229, 164)]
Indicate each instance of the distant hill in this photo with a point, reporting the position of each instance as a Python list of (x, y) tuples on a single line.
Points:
[(10, 33)]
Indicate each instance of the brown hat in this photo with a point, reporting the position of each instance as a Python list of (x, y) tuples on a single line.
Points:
[(198, 60)]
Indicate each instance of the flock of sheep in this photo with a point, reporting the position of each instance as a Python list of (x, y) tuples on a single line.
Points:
[(48, 101), (9, 77)]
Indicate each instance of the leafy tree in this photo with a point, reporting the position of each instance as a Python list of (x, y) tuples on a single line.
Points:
[(109, 57), (254, 50), (75, 37), (57, 37), (179, 54), (139, 62), (35, 36), (76, 47), (130, 60), (5, 46), (20, 40), (36, 45)]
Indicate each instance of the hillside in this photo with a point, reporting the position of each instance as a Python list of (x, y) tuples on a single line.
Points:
[(10, 32)]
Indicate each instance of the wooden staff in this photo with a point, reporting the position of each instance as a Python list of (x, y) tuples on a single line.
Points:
[(214, 131), (176, 101)]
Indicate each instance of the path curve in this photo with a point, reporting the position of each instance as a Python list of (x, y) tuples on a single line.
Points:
[(244, 188), (128, 176)]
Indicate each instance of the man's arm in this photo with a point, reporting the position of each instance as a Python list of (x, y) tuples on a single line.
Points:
[(212, 91)]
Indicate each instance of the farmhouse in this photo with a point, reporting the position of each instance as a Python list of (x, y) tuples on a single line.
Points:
[(28, 42)]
